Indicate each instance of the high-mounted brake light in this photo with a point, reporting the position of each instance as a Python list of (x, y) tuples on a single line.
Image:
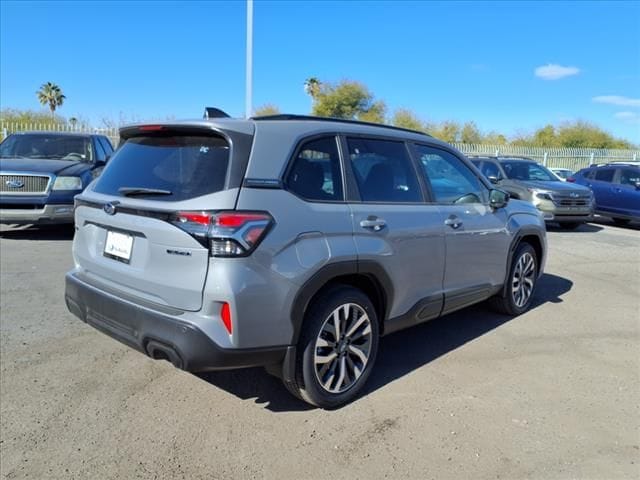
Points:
[(151, 128), (226, 234)]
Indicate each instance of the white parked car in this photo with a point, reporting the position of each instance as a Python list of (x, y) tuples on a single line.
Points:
[(562, 173)]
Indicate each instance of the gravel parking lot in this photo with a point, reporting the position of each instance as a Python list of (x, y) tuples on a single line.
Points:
[(552, 394)]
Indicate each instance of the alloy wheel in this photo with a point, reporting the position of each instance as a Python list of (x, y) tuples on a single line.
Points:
[(523, 279), (342, 348)]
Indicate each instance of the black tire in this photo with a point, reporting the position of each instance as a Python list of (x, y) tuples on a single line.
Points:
[(317, 328), (569, 225), (508, 301), (621, 221)]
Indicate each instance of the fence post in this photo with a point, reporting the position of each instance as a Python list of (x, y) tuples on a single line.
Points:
[(544, 160), (635, 157), (4, 134), (497, 152), (591, 159)]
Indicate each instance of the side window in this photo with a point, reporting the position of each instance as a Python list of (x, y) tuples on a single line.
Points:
[(450, 179), (605, 175), (100, 153), (383, 171), (490, 169), (315, 173), (629, 176)]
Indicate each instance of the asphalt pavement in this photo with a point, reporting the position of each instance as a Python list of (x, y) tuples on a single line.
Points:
[(551, 394)]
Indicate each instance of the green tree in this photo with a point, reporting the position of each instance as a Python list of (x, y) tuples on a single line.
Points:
[(545, 137), (24, 117), (470, 133), (267, 109), (50, 94), (494, 138), (447, 131), (405, 118), (581, 134), (348, 99)]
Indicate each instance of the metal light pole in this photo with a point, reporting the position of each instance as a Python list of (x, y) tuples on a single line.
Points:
[(249, 70)]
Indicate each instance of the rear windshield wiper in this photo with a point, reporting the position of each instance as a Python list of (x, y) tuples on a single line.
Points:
[(131, 191)]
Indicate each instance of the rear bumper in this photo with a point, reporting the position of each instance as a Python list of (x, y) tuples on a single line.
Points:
[(158, 334), (48, 214)]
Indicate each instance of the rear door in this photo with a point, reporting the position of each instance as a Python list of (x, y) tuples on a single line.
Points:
[(394, 227), (477, 239), (601, 184), (137, 226), (626, 193)]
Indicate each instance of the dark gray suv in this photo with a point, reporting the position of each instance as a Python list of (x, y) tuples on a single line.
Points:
[(565, 203), (292, 243)]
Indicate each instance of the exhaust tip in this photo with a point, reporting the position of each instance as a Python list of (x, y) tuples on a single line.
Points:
[(161, 351)]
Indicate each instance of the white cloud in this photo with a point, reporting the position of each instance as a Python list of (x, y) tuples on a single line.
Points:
[(617, 100), (555, 72), (629, 117)]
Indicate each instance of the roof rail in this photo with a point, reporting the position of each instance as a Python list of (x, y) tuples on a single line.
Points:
[(288, 116)]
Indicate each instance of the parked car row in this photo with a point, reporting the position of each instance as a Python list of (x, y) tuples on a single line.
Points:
[(564, 197)]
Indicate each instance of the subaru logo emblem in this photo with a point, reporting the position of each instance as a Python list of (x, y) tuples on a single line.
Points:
[(110, 208), (14, 183), (574, 195)]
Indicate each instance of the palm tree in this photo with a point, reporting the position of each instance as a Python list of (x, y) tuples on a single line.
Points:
[(312, 87), (50, 94)]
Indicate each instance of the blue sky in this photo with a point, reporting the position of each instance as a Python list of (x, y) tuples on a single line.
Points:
[(444, 60)]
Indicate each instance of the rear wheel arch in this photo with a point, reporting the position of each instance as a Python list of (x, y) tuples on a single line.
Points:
[(368, 277)]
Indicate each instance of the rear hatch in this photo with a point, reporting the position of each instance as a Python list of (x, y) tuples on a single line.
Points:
[(134, 231)]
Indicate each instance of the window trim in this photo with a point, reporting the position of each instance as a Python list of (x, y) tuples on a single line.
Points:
[(354, 191), (465, 161), (292, 159)]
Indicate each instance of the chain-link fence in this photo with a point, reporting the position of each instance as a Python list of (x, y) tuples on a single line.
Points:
[(572, 158)]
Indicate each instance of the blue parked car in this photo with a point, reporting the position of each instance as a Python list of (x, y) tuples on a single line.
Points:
[(41, 172), (616, 188)]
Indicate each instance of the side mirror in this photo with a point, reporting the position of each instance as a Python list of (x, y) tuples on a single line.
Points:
[(498, 198), (493, 179)]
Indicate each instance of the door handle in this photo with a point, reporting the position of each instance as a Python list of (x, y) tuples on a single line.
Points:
[(374, 223), (454, 222)]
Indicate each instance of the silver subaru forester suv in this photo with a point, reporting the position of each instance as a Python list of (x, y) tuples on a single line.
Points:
[(293, 243)]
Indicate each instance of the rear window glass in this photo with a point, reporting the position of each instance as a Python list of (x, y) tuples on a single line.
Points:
[(176, 167)]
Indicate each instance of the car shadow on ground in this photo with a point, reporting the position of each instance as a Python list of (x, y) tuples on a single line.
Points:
[(633, 225), (38, 232), (583, 228), (399, 354)]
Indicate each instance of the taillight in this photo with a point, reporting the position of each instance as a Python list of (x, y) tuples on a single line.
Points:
[(226, 234), (571, 180)]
